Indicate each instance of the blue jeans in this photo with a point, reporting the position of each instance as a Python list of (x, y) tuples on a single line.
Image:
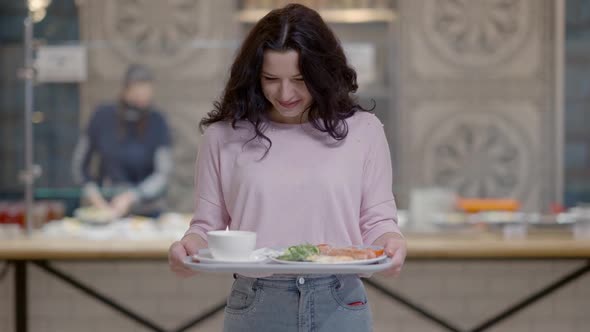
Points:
[(298, 303)]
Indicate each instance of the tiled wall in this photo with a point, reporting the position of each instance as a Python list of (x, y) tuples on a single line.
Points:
[(464, 293), (56, 135), (577, 109)]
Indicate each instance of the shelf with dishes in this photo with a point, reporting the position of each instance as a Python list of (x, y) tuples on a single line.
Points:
[(513, 221)]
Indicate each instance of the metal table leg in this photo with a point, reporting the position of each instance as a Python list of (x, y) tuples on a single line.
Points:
[(536, 296), (146, 322), (100, 297), (20, 296), (413, 306), (202, 317), (494, 320)]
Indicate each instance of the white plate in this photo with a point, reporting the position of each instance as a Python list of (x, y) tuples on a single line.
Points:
[(271, 268), (204, 256), (357, 262)]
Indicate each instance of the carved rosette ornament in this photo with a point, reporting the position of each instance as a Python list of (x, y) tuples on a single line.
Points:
[(148, 31), (479, 155), (476, 32)]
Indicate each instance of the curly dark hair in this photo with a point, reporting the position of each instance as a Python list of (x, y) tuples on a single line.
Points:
[(322, 64)]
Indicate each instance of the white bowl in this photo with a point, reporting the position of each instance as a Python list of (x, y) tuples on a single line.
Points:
[(231, 245)]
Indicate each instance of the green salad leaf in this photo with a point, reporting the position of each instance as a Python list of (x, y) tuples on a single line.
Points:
[(299, 253)]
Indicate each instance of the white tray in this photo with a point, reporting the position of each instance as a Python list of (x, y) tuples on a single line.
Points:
[(271, 267)]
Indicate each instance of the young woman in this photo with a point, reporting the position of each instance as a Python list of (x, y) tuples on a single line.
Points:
[(131, 143), (289, 154)]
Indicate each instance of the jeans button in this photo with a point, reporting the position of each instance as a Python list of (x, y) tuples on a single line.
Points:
[(301, 280)]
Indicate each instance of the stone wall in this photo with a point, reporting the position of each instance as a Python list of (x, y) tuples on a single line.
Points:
[(476, 92), (189, 44)]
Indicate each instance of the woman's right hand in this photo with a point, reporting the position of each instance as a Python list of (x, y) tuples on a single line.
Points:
[(179, 250)]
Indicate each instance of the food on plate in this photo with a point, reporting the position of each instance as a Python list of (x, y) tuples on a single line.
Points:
[(94, 215), (324, 253), (299, 253), (329, 259)]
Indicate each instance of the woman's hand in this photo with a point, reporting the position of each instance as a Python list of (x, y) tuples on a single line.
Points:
[(95, 198), (179, 250), (121, 204), (395, 247)]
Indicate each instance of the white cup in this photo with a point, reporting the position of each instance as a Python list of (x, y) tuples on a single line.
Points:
[(426, 202), (231, 245), (581, 229)]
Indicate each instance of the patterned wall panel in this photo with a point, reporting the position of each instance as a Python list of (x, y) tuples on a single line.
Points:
[(317, 4), (166, 35), (476, 83), (476, 33), (481, 150), (188, 43), (457, 39)]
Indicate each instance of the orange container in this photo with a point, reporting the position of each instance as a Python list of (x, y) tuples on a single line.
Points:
[(474, 205)]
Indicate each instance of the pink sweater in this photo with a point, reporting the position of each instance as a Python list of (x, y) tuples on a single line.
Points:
[(310, 188)]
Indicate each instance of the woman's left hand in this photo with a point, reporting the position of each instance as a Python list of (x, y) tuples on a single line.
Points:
[(395, 247)]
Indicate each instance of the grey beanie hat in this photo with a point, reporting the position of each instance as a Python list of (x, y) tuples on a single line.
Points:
[(137, 73)]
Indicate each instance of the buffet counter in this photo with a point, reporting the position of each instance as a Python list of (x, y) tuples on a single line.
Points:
[(483, 245), (40, 250)]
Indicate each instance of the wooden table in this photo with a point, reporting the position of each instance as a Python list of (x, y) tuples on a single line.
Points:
[(559, 245), (485, 245), (447, 246)]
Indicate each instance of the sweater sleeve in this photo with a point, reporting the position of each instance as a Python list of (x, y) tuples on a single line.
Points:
[(378, 214), (84, 151), (210, 212), (156, 184)]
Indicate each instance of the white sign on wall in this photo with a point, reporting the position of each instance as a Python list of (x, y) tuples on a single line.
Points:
[(61, 64)]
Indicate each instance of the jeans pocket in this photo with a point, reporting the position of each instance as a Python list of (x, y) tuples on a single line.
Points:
[(349, 292), (243, 297)]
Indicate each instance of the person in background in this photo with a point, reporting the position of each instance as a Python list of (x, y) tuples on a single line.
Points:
[(126, 150), (288, 153)]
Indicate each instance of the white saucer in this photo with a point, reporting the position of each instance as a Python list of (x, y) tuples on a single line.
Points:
[(204, 256)]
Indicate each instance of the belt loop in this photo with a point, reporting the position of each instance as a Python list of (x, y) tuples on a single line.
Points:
[(338, 281), (251, 282)]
